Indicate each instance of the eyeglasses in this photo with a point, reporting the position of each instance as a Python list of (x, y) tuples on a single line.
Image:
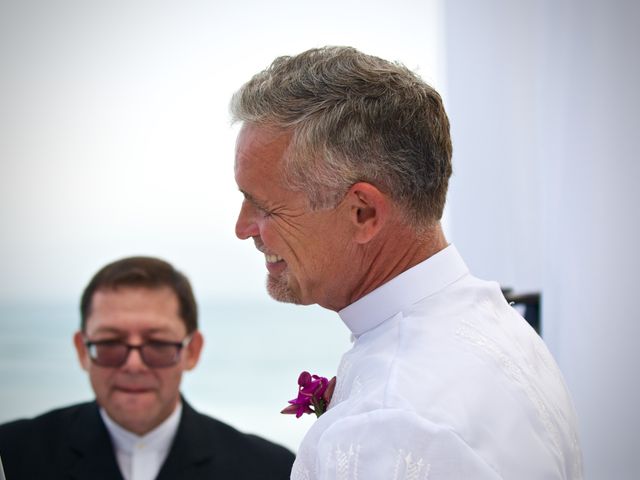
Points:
[(154, 354)]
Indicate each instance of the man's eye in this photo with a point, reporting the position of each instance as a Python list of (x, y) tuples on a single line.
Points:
[(263, 211)]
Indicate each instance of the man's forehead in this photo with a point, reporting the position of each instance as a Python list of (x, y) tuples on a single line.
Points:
[(259, 162), (261, 142), (154, 308), (146, 331)]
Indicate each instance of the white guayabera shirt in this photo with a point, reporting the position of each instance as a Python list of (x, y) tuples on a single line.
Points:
[(445, 380)]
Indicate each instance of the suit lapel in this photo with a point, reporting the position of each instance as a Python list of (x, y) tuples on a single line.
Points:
[(191, 447), (91, 448), (91, 455)]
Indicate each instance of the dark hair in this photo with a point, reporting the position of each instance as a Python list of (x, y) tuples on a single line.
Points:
[(354, 117), (147, 272)]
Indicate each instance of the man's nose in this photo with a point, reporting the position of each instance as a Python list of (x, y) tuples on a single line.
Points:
[(134, 361), (246, 226)]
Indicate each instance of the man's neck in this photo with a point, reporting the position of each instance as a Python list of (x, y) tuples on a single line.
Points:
[(396, 251), (113, 425)]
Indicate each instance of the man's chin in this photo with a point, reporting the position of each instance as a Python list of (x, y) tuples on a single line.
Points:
[(133, 401), (135, 416), (279, 289)]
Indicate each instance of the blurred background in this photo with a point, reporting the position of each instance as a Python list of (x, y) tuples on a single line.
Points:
[(115, 140)]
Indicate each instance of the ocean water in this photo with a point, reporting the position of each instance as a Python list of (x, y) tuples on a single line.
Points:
[(254, 351)]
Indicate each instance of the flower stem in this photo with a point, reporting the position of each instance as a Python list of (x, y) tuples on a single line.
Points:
[(318, 406)]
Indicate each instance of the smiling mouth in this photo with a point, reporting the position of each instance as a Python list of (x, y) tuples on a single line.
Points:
[(272, 258), (275, 263)]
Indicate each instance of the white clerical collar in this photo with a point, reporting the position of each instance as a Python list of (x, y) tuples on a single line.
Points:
[(420, 281), (159, 439)]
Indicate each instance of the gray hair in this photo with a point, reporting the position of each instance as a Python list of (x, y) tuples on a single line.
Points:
[(354, 117)]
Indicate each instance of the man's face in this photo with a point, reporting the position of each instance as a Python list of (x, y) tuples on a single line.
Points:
[(134, 395), (306, 251)]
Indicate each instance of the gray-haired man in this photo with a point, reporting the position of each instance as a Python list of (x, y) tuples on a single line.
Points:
[(344, 161)]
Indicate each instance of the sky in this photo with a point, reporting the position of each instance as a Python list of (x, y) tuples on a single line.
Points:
[(115, 137)]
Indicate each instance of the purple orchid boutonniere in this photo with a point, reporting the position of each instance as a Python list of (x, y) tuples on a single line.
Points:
[(314, 395)]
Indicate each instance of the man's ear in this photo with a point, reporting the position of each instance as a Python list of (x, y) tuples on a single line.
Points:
[(81, 350), (193, 350), (368, 210)]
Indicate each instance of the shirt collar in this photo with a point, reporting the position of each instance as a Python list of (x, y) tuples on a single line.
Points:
[(159, 439), (420, 281)]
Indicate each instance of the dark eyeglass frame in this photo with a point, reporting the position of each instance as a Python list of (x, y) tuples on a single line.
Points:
[(179, 346)]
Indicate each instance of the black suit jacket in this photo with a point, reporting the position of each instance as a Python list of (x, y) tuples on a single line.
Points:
[(73, 443)]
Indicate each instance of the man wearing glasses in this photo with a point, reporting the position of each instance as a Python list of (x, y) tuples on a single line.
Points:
[(138, 334)]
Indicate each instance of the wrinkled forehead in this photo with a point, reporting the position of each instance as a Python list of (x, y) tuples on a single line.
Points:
[(261, 143), (260, 159)]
